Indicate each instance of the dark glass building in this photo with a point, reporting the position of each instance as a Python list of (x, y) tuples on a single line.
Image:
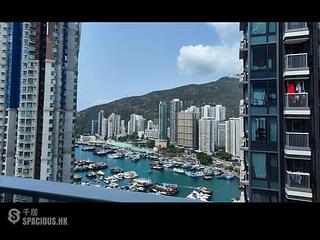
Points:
[(281, 118)]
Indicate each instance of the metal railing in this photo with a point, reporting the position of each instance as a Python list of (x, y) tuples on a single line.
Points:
[(298, 179), (297, 140), (296, 100), (297, 61), (243, 44), (244, 77), (295, 26), (67, 192)]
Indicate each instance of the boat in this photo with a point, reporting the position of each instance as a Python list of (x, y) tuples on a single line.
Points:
[(100, 173), (114, 156), (130, 174), (204, 190), (91, 175), (178, 170), (136, 158), (77, 178), (116, 170), (157, 167), (164, 189), (196, 195), (142, 182), (100, 152), (150, 172), (227, 176), (207, 177), (194, 174), (88, 148)]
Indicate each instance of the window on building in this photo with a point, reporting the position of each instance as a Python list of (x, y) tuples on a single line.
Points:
[(258, 28), (259, 57), (259, 165), (259, 129)]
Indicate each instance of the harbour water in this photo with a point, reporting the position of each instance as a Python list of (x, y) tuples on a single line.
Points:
[(224, 190)]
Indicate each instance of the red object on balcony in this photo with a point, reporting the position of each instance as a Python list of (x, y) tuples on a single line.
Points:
[(291, 88)]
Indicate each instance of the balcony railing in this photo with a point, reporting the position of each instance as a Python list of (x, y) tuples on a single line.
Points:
[(298, 179), (295, 26), (244, 109), (297, 61), (244, 77), (296, 100), (297, 140), (66, 192), (243, 44)]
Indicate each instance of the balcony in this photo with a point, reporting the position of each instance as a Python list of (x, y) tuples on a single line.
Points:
[(243, 48), (296, 65), (65, 192), (295, 32), (244, 109), (244, 144), (296, 104), (298, 186), (297, 145), (244, 77)]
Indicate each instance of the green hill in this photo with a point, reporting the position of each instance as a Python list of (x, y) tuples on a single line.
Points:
[(224, 91)]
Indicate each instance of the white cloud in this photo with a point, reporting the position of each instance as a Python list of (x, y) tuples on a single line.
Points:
[(214, 60), (208, 60), (228, 32)]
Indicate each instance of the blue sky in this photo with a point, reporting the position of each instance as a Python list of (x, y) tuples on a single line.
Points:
[(117, 60)]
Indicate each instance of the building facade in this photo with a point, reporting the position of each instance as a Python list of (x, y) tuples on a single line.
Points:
[(39, 72), (100, 118), (104, 128), (281, 85), (135, 124), (206, 135), (163, 120), (94, 127), (232, 136), (221, 129), (188, 130), (175, 107)]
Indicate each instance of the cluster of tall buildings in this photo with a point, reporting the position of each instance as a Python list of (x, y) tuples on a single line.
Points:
[(198, 128), (281, 101), (108, 128), (38, 96)]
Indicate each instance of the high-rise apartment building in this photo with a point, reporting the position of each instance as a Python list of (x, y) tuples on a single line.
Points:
[(221, 129), (163, 120), (122, 128), (135, 124), (281, 89), (232, 136), (39, 69), (206, 135), (175, 107), (220, 113), (150, 124), (188, 130), (208, 111), (94, 127), (104, 128), (100, 118)]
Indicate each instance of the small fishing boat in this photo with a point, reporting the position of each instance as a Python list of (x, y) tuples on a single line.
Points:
[(91, 175), (100, 173), (178, 170), (77, 178), (207, 177)]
